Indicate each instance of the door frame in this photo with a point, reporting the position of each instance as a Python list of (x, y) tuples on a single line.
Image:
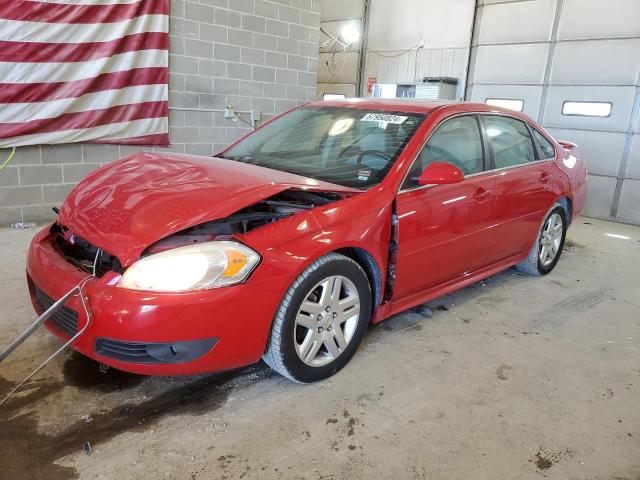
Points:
[(487, 150), (397, 305)]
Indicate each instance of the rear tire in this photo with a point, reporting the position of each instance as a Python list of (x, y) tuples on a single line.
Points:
[(320, 321), (546, 250)]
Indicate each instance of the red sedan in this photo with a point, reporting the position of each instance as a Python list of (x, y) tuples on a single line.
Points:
[(287, 244)]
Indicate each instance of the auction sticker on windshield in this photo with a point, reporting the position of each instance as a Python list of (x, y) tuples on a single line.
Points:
[(383, 117)]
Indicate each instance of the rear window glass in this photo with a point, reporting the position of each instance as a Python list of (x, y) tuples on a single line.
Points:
[(510, 140), (546, 148)]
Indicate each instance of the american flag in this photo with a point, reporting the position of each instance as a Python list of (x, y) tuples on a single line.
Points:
[(84, 71)]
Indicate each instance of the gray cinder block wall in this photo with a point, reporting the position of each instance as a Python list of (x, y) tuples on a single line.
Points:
[(252, 54)]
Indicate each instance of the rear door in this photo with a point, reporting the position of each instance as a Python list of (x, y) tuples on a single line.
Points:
[(444, 230), (523, 184)]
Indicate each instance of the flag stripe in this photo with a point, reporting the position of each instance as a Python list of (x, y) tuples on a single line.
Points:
[(25, 112), (32, 11), (69, 72), (93, 118), (88, 2), (41, 92), (79, 52), (161, 139), (84, 71), (122, 131), (17, 31)]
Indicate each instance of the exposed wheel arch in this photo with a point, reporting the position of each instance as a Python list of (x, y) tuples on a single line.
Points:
[(281, 353), (567, 204), (371, 268), (367, 262), (531, 264)]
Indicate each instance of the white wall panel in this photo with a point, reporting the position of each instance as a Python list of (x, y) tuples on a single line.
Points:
[(633, 167), (629, 209), (345, 70), (529, 94), (600, 193), (401, 24), (517, 22), (597, 62), (599, 19), (340, 9), (621, 97), (601, 150), (511, 64)]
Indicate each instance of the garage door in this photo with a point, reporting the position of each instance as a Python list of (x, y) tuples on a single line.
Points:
[(574, 65)]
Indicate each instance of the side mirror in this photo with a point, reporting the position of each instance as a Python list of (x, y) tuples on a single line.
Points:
[(440, 173), (568, 145)]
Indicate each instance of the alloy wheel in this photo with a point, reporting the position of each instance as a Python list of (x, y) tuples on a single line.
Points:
[(326, 320), (551, 239)]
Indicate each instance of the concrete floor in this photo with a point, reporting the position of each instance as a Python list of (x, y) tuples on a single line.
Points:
[(514, 377)]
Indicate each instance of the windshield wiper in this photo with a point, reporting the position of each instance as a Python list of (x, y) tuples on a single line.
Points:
[(239, 158)]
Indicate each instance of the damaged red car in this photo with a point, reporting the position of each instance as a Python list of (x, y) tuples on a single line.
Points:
[(286, 245)]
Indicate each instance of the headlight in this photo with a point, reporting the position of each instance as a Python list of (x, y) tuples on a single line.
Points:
[(194, 267)]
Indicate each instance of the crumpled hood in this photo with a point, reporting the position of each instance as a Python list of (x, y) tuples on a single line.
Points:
[(130, 204)]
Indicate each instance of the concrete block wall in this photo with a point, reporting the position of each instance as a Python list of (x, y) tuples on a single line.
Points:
[(257, 55)]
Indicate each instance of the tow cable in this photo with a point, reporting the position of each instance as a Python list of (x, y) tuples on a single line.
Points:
[(74, 292)]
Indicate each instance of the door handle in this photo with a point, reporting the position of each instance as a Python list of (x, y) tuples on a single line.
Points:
[(482, 194), (545, 178)]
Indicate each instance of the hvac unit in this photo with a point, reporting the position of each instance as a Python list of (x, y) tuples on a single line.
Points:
[(431, 88)]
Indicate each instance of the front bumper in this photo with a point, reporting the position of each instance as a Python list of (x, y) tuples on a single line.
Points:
[(193, 332)]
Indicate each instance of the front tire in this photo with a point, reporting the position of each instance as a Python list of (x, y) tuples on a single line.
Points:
[(546, 250), (321, 320)]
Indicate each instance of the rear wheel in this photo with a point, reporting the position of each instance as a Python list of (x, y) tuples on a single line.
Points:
[(321, 320), (545, 253)]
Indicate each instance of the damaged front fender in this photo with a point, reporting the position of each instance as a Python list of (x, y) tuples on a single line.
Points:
[(128, 205)]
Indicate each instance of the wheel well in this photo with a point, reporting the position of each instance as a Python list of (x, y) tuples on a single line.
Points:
[(370, 267), (568, 207)]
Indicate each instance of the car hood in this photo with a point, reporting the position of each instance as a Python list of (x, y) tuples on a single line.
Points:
[(130, 204)]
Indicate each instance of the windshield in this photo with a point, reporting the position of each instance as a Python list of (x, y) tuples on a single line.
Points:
[(350, 147)]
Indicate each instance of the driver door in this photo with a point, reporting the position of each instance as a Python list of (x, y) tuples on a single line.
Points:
[(444, 231)]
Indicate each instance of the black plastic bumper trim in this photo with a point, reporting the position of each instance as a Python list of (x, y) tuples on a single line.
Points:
[(154, 353), (65, 319)]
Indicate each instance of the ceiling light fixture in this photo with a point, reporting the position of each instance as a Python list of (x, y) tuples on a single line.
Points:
[(350, 33)]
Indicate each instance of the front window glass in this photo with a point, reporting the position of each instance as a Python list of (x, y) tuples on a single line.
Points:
[(510, 139), (456, 141), (346, 146)]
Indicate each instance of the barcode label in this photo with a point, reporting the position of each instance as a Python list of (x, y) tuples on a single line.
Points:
[(383, 117)]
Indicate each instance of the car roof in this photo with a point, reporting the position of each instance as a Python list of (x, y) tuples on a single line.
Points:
[(408, 105), (419, 106)]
